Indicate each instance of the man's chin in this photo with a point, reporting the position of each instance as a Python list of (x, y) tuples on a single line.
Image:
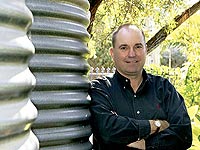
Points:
[(132, 72)]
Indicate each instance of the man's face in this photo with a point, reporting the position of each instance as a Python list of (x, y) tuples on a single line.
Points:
[(129, 52)]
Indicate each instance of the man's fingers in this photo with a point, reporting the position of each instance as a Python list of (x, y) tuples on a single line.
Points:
[(138, 144), (164, 125)]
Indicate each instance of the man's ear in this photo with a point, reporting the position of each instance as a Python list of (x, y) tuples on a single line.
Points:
[(111, 52), (146, 49)]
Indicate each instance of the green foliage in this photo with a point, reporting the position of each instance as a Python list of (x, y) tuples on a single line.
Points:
[(172, 74), (192, 82), (187, 35), (193, 113)]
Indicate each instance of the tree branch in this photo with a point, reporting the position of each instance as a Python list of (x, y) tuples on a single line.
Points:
[(161, 35)]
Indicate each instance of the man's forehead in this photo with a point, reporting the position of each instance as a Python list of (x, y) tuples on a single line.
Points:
[(130, 29), (134, 31), (129, 33)]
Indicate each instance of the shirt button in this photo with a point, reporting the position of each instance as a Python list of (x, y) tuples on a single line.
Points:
[(126, 80), (135, 96), (124, 87), (138, 112)]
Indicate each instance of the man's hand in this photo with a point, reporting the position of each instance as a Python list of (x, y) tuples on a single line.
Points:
[(138, 144), (164, 125)]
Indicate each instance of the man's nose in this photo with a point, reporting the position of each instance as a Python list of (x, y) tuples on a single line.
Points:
[(132, 52)]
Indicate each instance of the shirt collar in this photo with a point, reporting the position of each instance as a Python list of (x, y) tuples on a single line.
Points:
[(125, 82)]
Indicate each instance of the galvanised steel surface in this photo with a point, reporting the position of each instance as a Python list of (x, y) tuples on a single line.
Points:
[(59, 34), (17, 112)]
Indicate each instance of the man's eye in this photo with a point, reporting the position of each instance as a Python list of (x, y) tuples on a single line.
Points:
[(138, 46), (123, 48)]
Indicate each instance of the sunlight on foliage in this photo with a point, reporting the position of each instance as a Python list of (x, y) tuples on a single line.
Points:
[(193, 110), (188, 36)]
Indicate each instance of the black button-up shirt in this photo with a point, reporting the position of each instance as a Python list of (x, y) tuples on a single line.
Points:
[(119, 116)]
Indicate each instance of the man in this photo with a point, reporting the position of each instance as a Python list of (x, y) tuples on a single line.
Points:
[(133, 109)]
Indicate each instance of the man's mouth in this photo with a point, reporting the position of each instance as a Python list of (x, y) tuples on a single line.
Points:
[(135, 61)]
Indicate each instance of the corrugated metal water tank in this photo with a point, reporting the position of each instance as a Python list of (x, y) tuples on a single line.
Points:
[(17, 112), (59, 34)]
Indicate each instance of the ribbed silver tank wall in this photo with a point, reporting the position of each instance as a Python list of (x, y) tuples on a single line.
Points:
[(60, 36), (17, 112)]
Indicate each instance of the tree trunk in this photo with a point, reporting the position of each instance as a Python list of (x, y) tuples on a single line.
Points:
[(94, 4)]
